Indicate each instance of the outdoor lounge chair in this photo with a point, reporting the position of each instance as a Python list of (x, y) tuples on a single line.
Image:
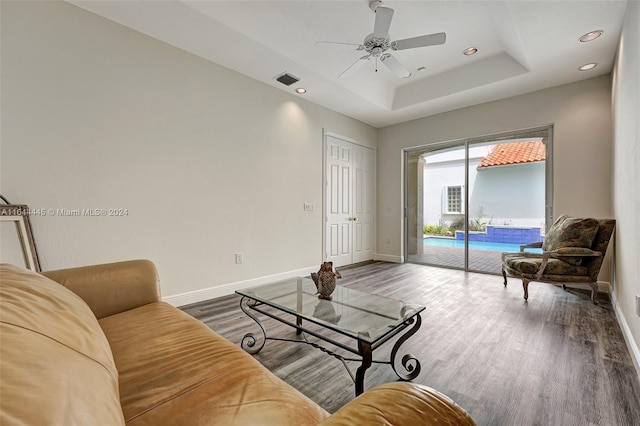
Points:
[(572, 253)]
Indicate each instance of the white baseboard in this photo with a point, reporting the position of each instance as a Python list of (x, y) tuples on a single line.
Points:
[(190, 297), (388, 258), (603, 286), (626, 332)]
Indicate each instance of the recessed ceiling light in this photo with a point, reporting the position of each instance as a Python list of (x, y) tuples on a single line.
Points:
[(301, 90), (470, 51), (587, 67), (591, 36)]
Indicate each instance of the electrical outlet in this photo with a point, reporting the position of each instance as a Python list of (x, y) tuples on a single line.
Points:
[(239, 258)]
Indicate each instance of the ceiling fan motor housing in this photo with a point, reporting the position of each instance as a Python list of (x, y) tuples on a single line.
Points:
[(374, 4), (375, 44)]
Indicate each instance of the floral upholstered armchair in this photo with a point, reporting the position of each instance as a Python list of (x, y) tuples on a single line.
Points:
[(572, 253)]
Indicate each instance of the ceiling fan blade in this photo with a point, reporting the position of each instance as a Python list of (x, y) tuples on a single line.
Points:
[(395, 66), (383, 22), (344, 46), (421, 41), (354, 67)]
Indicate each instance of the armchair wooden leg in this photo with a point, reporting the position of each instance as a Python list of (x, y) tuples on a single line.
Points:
[(504, 274), (525, 286), (594, 292)]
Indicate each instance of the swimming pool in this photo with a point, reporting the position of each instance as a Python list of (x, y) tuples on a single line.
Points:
[(478, 245)]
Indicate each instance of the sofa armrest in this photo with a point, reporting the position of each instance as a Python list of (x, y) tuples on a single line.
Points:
[(537, 244), (574, 252), (571, 255), (400, 404), (111, 288)]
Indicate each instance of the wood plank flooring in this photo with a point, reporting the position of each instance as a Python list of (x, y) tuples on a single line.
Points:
[(555, 360)]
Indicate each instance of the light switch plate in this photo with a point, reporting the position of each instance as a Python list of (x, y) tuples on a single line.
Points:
[(308, 207), (638, 305)]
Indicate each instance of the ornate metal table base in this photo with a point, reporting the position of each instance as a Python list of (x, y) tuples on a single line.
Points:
[(410, 365)]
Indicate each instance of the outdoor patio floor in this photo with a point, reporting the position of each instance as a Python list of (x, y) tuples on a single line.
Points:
[(479, 260)]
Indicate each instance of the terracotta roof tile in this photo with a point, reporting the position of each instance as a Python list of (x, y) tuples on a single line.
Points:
[(514, 153)]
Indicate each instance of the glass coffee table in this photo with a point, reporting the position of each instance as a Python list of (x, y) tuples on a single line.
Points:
[(365, 322)]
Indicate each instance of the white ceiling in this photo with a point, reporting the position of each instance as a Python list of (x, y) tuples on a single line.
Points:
[(522, 46)]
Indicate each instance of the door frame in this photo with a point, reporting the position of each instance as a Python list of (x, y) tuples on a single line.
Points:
[(325, 205), (465, 143)]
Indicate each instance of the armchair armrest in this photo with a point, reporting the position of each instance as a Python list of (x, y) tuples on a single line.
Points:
[(574, 252), (537, 244), (400, 403), (566, 252), (111, 288)]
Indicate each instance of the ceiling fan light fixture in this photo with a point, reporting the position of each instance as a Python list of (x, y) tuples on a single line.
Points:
[(301, 90), (592, 35), (470, 51), (587, 67)]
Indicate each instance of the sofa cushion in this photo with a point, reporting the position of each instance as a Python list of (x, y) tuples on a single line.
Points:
[(404, 404), (53, 351), (530, 265), (176, 370), (570, 232)]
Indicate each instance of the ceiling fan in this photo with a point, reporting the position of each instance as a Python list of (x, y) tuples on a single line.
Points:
[(377, 43)]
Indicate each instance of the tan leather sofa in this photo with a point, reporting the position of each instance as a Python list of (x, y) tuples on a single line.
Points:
[(102, 349)]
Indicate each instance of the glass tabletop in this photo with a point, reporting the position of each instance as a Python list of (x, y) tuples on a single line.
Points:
[(351, 312)]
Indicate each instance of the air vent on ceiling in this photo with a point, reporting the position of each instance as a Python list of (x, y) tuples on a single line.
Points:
[(287, 79)]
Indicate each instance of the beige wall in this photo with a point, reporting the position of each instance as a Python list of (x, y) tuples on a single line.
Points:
[(626, 177), (207, 162), (580, 113)]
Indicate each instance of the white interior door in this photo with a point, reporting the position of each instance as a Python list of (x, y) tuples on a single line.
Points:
[(362, 204), (349, 202)]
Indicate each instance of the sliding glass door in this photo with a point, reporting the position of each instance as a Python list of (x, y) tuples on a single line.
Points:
[(436, 205), (468, 201)]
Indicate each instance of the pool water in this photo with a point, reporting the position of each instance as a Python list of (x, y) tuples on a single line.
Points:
[(478, 245)]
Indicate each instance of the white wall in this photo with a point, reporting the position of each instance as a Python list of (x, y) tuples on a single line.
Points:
[(436, 177), (207, 162), (626, 176), (487, 187), (447, 169), (580, 113), (486, 192), (524, 205)]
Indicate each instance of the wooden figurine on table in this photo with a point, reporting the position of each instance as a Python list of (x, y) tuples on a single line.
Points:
[(325, 280)]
